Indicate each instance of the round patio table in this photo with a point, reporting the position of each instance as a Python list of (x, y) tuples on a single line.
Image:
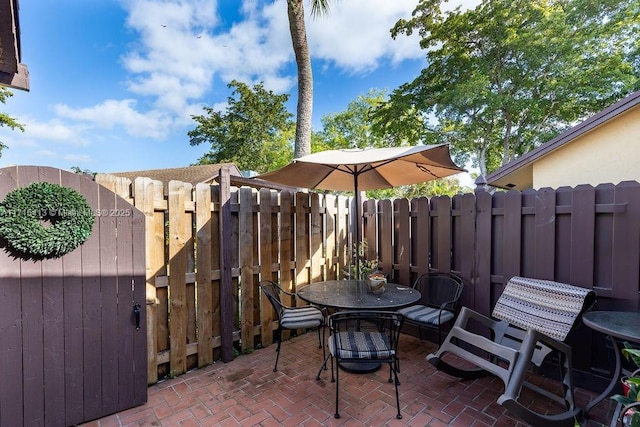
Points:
[(616, 325), (355, 295)]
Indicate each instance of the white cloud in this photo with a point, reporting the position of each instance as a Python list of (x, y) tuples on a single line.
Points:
[(54, 131), (356, 36), (76, 159), (110, 113), (47, 153), (183, 47)]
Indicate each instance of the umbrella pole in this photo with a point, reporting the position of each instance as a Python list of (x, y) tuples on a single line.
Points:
[(357, 224)]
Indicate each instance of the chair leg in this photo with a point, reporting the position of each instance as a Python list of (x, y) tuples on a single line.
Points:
[(564, 364), (275, 368), (397, 382), (337, 414), (394, 369), (323, 366), (320, 345), (332, 377)]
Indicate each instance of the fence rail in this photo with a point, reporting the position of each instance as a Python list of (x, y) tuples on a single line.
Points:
[(209, 246)]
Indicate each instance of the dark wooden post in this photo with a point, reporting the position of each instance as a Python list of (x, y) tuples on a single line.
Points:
[(226, 314)]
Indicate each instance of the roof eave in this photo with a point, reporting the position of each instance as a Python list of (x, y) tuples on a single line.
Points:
[(13, 74)]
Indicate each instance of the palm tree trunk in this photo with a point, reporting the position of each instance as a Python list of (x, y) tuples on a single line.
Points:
[(298, 31)]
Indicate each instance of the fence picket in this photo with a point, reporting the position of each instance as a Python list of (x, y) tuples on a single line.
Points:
[(511, 260), (177, 280), (420, 241), (316, 226), (544, 234), (287, 265), (266, 262), (246, 242), (441, 234), (330, 241), (385, 217), (203, 274), (402, 242), (582, 238), (302, 258), (463, 256)]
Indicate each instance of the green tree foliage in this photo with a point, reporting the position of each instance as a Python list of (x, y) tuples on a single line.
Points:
[(5, 119), (356, 128), (448, 186), (255, 132), (352, 128), (511, 74), (80, 171)]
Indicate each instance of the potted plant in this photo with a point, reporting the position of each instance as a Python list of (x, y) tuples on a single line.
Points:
[(360, 267), (630, 401), (377, 282)]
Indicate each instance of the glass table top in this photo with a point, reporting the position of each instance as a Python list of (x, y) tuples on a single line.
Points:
[(355, 294)]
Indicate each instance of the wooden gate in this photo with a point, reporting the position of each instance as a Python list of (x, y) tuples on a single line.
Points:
[(70, 349)]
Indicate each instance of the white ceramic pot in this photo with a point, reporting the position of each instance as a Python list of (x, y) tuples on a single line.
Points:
[(377, 285)]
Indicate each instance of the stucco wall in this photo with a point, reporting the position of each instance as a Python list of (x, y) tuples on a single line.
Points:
[(607, 154)]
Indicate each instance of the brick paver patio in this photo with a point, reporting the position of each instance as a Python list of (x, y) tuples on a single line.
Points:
[(246, 392)]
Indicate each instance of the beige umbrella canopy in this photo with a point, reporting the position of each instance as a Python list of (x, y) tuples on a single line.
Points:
[(366, 169)]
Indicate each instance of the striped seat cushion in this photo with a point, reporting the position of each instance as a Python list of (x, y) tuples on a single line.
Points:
[(548, 307), (300, 318), (426, 315), (361, 345)]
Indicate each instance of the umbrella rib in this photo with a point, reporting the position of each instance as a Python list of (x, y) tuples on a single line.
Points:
[(351, 170), (326, 175), (426, 169)]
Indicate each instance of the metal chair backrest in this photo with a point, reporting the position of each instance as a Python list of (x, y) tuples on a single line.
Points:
[(272, 291), (378, 323), (437, 289)]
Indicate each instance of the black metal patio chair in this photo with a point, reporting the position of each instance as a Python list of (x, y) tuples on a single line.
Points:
[(363, 337), (439, 302), (291, 317)]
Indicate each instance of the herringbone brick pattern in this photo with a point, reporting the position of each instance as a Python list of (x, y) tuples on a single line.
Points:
[(246, 392)]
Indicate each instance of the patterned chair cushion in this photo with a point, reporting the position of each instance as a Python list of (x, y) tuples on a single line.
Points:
[(424, 314), (548, 307), (301, 318), (361, 345)]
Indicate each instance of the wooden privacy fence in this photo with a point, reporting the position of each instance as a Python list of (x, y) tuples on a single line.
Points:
[(209, 246)]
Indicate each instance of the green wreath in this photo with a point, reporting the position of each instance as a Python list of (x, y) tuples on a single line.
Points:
[(44, 220)]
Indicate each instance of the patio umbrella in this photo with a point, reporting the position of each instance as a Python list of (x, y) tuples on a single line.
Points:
[(366, 169)]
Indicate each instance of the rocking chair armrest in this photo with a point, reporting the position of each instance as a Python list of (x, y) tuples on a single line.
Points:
[(467, 314), (553, 343)]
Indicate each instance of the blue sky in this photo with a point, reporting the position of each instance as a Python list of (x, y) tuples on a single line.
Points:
[(114, 83)]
